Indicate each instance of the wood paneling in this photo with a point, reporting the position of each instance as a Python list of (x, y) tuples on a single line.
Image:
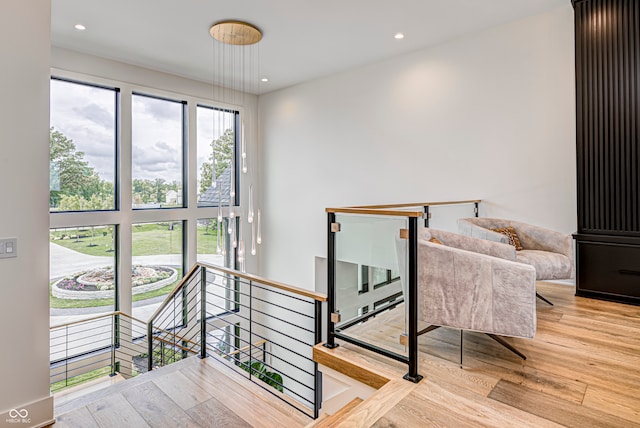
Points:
[(607, 47), (608, 115)]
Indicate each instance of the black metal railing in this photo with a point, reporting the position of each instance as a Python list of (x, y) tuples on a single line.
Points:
[(337, 327), (99, 346), (259, 328)]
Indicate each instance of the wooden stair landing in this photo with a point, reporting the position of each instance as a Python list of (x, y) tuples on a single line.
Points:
[(189, 393)]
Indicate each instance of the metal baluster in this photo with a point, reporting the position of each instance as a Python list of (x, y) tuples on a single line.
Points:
[(150, 345), (203, 312), (113, 345)]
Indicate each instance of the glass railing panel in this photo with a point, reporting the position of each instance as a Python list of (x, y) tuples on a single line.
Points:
[(370, 265), (445, 217)]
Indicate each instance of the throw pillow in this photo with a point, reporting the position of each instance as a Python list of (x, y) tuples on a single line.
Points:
[(510, 233)]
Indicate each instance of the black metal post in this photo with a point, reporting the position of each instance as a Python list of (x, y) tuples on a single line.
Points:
[(317, 403), (426, 216), (318, 392), (251, 328), (114, 341), (150, 345), (317, 305), (413, 375), (476, 209), (203, 312), (331, 281)]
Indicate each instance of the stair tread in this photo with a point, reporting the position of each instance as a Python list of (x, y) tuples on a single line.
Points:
[(335, 419)]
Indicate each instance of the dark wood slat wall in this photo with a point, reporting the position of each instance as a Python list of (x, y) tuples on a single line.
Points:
[(607, 43), (607, 82)]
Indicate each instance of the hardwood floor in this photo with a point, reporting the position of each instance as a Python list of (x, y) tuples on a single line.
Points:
[(582, 370), (190, 393)]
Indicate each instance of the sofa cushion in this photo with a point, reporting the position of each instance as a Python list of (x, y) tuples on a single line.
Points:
[(548, 265), (511, 235)]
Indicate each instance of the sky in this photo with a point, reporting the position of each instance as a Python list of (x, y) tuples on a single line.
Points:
[(86, 115)]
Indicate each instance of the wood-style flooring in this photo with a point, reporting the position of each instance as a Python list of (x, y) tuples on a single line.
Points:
[(189, 393), (582, 370)]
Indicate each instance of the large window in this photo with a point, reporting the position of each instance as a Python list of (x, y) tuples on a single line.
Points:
[(82, 273), (157, 152), (156, 264), (107, 255), (217, 151), (82, 142)]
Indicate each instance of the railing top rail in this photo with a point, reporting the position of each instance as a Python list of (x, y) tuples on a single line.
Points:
[(369, 211), (105, 315), (395, 209), (419, 204), (175, 290), (295, 290)]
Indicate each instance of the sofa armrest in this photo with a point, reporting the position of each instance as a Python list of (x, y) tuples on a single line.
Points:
[(468, 228), (534, 237), (476, 245), (472, 291)]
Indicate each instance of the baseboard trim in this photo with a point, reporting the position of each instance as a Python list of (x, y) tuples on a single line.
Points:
[(36, 414)]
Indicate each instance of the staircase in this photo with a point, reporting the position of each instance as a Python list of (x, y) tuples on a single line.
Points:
[(189, 393)]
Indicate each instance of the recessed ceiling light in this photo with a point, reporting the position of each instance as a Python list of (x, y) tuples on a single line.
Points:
[(399, 36), (80, 27), (264, 79)]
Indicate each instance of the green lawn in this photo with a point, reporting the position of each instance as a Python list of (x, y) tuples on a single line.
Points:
[(76, 380), (148, 239), (71, 303)]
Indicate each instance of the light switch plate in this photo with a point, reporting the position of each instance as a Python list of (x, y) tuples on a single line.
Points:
[(8, 248)]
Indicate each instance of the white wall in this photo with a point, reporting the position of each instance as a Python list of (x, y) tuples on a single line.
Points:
[(488, 116), (24, 185)]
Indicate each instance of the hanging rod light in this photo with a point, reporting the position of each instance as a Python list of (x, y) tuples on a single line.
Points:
[(235, 73)]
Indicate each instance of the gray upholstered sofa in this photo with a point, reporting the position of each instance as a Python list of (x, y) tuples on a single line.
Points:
[(548, 251), (472, 284)]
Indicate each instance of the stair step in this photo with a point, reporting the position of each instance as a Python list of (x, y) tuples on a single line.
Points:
[(192, 390), (335, 419)]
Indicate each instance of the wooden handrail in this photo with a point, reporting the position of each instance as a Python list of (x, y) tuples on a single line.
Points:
[(168, 342), (393, 209), (173, 292), (263, 281), (254, 278), (419, 204), (244, 348), (181, 338), (109, 314), (371, 211)]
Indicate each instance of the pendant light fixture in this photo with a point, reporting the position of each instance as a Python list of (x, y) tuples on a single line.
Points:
[(235, 73)]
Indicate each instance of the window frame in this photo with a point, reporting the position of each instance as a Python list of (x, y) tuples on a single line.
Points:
[(116, 128), (124, 216)]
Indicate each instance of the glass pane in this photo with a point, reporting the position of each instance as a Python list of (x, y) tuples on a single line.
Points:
[(370, 246), (82, 143), (379, 276), (81, 273), (157, 152), (156, 264), (216, 143), (212, 245)]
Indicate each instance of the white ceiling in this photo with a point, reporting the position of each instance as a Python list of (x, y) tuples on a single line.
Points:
[(303, 39)]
